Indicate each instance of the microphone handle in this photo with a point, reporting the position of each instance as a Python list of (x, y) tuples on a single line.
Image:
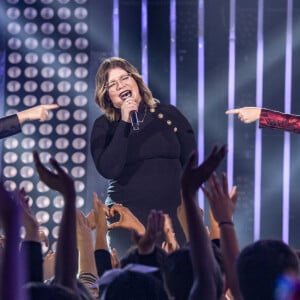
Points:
[(134, 120)]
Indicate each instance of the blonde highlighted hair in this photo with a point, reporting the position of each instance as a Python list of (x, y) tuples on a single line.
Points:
[(101, 93)]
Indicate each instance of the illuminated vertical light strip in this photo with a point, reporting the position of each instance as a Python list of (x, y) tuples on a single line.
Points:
[(145, 41), (287, 109), (259, 103), (116, 27), (201, 89), (173, 72), (231, 91)]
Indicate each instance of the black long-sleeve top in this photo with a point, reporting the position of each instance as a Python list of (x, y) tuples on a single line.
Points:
[(144, 166), (9, 125)]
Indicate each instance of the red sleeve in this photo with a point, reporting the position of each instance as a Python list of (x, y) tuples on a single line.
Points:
[(278, 120)]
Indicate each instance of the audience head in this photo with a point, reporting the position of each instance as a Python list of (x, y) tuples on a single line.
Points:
[(261, 264), (179, 275), (133, 285)]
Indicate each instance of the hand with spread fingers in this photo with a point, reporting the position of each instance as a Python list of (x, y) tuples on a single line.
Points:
[(246, 114), (127, 219), (222, 203), (194, 176), (59, 181), (146, 242), (170, 244)]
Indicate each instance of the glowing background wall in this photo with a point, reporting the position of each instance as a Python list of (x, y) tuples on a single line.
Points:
[(202, 56)]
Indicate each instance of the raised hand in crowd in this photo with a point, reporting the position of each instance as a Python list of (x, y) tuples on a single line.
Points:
[(181, 216), (39, 112), (99, 213), (11, 274), (115, 261), (146, 242), (207, 280), (246, 114), (127, 219), (170, 243), (87, 271), (66, 252), (48, 265), (222, 204)]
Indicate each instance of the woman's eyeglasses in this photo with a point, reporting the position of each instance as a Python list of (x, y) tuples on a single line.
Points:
[(113, 85)]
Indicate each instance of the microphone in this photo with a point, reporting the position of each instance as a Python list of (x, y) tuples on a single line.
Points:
[(134, 120), (133, 114)]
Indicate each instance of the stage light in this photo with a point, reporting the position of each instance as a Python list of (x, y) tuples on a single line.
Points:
[(79, 143), (30, 86), (30, 13), (13, 100), (42, 201), (48, 43), (14, 28), (47, 86), (47, 62), (14, 72), (80, 100), (48, 72), (26, 157), (14, 43), (64, 28), (63, 100), (63, 115), (10, 157), (62, 143), (47, 28), (64, 13), (47, 13), (48, 58), (27, 172), (31, 72), (28, 129), (30, 28), (28, 143), (64, 72), (31, 43), (14, 58), (45, 143), (31, 58)]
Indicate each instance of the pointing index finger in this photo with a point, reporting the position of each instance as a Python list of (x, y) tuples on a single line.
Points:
[(232, 111)]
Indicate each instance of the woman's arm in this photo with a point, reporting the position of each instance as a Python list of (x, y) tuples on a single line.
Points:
[(109, 146)]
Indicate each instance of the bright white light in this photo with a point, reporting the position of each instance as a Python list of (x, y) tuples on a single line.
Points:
[(47, 28), (14, 43), (13, 100), (31, 58), (30, 100), (14, 28), (81, 28), (14, 58), (30, 28), (31, 72), (80, 100), (64, 28), (14, 72), (47, 13), (45, 143)]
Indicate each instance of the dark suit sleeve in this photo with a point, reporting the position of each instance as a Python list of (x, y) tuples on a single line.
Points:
[(279, 120), (9, 125)]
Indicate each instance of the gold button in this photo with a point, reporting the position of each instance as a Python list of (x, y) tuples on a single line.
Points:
[(152, 110), (160, 115), (169, 122), (175, 129)]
